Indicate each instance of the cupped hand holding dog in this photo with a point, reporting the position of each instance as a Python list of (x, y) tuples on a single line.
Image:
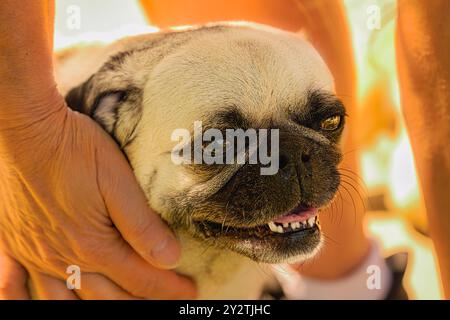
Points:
[(68, 195)]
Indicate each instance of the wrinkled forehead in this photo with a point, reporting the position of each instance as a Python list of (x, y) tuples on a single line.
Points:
[(257, 72)]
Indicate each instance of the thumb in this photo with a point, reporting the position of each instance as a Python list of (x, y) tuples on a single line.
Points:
[(140, 226)]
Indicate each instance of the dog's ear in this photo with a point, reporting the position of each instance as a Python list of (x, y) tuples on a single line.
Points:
[(117, 111), (76, 98), (105, 109)]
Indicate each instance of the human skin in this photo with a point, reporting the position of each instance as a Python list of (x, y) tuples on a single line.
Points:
[(325, 25), (67, 194), (423, 60)]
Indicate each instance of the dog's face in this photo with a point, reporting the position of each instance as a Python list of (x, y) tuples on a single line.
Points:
[(228, 77)]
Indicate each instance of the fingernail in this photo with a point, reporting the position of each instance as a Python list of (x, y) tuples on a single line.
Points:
[(167, 252)]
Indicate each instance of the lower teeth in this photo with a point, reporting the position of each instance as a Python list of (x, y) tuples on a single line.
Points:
[(292, 226)]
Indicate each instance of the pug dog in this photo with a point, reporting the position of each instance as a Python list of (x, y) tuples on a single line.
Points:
[(229, 218)]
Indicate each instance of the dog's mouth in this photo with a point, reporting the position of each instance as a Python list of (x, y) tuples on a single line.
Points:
[(292, 235), (301, 219)]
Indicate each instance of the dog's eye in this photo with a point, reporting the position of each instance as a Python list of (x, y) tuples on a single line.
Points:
[(330, 124)]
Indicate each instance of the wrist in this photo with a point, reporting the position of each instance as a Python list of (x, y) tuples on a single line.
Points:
[(21, 106), (30, 121)]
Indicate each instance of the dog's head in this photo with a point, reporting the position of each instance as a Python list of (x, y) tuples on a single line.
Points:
[(228, 77)]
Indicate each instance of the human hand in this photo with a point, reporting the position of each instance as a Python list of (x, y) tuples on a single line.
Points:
[(67, 194), (65, 189)]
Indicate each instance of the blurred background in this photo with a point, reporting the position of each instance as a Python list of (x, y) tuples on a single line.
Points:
[(396, 214)]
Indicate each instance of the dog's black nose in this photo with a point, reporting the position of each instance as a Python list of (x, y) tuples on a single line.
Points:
[(284, 159)]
